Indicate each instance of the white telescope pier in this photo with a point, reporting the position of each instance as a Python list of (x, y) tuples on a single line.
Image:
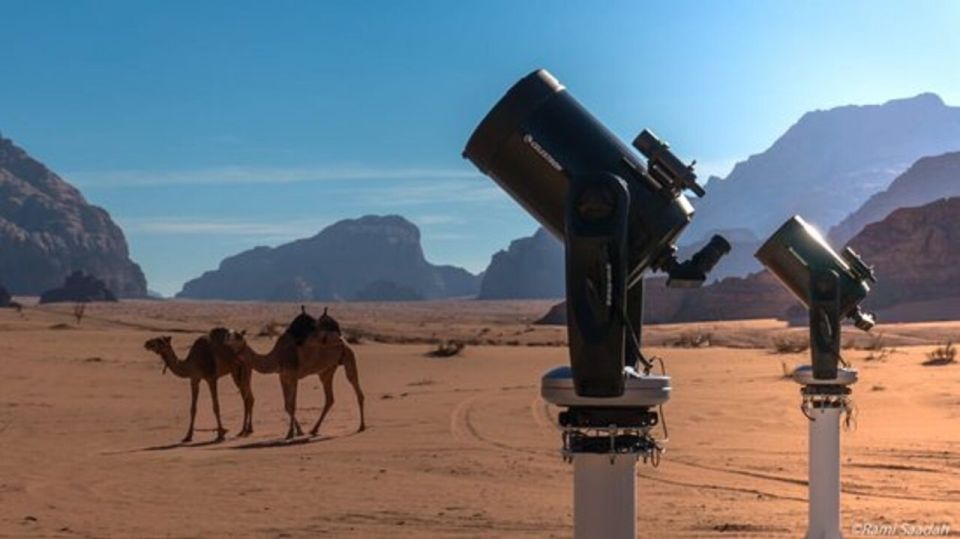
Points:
[(824, 401), (604, 438)]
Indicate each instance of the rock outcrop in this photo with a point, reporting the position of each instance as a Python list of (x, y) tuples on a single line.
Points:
[(78, 288), (531, 268), (370, 258), (916, 254), (828, 164), (928, 179), (48, 230)]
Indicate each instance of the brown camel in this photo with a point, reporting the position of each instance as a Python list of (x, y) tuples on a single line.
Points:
[(208, 361), (309, 346)]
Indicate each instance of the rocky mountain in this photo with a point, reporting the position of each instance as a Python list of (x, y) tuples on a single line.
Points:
[(370, 258), (929, 179), (828, 164), (915, 253), (48, 230), (531, 267)]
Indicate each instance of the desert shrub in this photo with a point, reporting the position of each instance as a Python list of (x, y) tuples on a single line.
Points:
[(353, 338), (944, 354), (880, 355), (447, 349), (790, 345), (693, 340), (79, 310)]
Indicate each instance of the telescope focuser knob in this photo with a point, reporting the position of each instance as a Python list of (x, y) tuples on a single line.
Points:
[(860, 270)]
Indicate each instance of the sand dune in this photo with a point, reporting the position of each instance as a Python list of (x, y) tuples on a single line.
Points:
[(459, 447)]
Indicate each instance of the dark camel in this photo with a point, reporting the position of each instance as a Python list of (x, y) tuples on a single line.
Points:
[(308, 346), (207, 360)]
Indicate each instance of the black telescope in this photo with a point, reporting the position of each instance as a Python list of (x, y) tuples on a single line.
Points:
[(618, 216), (830, 285)]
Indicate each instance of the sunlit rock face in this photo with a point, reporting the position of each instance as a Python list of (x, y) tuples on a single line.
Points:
[(48, 230)]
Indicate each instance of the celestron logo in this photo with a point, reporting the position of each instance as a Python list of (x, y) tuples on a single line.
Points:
[(528, 139)]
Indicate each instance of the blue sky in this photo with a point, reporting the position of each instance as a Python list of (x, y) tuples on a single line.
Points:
[(206, 128)]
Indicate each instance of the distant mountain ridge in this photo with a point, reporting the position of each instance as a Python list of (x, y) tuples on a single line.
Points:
[(927, 180), (530, 268), (370, 258), (828, 164), (48, 230)]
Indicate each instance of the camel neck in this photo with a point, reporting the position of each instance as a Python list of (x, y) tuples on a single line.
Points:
[(262, 363), (177, 367)]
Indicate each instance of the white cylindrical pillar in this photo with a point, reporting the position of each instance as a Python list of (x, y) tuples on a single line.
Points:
[(604, 496), (824, 516)]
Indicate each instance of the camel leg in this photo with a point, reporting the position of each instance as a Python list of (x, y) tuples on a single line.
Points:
[(248, 403), (194, 392), (326, 378), (353, 376), (212, 384), (290, 402), (242, 381)]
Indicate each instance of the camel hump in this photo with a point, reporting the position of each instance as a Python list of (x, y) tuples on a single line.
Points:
[(219, 335), (328, 323), (301, 327)]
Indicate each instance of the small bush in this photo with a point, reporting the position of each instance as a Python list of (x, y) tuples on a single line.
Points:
[(693, 340), (879, 355), (353, 338), (79, 310), (945, 354), (447, 349), (790, 345)]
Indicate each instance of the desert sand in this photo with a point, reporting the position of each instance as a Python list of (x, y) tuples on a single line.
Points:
[(456, 447)]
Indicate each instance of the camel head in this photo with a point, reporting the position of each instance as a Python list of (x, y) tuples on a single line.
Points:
[(236, 340), (158, 345)]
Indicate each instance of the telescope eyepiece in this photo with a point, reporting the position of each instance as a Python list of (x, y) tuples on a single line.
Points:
[(693, 273)]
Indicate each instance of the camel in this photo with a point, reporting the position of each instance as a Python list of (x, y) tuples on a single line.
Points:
[(308, 346), (208, 359)]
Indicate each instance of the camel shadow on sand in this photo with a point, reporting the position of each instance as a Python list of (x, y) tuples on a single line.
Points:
[(284, 442), (225, 444), (179, 445)]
